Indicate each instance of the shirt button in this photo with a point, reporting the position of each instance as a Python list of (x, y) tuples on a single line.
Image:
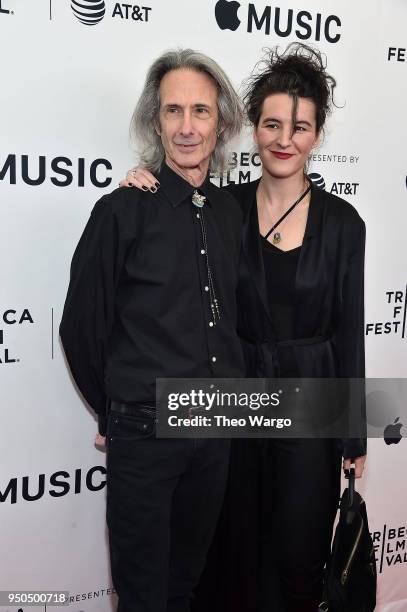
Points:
[(297, 389), (202, 251), (206, 288), (197, 215), (214, 359), (280, 391), (210, 323)]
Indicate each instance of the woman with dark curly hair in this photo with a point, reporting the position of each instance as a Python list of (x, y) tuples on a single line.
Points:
[(301, 314)]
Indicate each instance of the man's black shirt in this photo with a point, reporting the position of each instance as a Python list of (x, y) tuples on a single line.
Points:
[(138, 304)]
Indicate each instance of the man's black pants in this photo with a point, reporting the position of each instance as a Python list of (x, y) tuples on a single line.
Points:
[(163, 501)]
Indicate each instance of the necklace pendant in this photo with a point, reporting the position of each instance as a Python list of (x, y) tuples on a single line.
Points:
[(277, 238), (198, 199)]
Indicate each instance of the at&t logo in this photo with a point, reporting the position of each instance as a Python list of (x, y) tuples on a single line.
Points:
[(91, 12), (340, 188), (317, 179), (282, 22)]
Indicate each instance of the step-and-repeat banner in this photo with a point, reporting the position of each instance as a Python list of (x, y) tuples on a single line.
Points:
[(71, 72)]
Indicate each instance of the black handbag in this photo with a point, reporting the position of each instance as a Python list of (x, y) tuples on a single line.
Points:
[(350, 576)]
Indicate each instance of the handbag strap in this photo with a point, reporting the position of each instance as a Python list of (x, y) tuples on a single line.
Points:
[(350, 476)]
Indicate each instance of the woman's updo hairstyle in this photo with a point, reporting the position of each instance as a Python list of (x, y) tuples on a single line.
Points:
[(299, 71)]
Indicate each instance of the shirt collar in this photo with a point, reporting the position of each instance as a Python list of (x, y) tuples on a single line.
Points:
[(178, 189)]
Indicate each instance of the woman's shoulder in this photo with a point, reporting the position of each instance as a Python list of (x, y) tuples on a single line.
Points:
[(338, 209), (228, 202), (244, 193)]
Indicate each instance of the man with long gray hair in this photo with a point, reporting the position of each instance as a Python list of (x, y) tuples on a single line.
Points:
[(152, 295)]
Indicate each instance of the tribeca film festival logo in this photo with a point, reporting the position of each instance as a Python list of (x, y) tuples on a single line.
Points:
[(61, 171), (390, 545), (396, 301), (12, 317), (396, 54), (243, 164), (305, 25), (91, 12), (60, 483)]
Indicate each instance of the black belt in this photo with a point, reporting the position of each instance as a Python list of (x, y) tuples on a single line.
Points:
[(133, 409), (149, 409)]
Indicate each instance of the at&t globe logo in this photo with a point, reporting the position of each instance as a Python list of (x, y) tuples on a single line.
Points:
[(317, 179), (89, 12)]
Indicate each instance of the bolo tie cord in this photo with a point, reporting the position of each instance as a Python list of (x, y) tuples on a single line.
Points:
[(199, 200)]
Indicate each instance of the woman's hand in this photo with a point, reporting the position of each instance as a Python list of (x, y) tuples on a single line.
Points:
[(359, 465), (141, 178)]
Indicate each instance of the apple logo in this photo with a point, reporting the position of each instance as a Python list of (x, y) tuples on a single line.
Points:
[(226, 14), (392, 433)]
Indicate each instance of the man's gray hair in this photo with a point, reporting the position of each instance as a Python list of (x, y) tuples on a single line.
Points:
[(146, 115)]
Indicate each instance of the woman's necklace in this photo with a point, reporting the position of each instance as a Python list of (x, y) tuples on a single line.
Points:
[(277, 237)]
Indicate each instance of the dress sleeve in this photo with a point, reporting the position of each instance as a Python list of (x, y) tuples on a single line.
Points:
[(348, 343), (89, 307)]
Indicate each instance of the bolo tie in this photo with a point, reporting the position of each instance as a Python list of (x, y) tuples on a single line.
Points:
[(199, 200), (277, 237)]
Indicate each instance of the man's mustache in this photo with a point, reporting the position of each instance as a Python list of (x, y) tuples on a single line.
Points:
[(186, 142)]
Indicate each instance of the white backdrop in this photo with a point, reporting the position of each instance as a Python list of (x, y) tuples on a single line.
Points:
[(68, 91)]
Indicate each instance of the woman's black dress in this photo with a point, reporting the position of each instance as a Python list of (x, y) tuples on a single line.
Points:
[(255, 538)]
